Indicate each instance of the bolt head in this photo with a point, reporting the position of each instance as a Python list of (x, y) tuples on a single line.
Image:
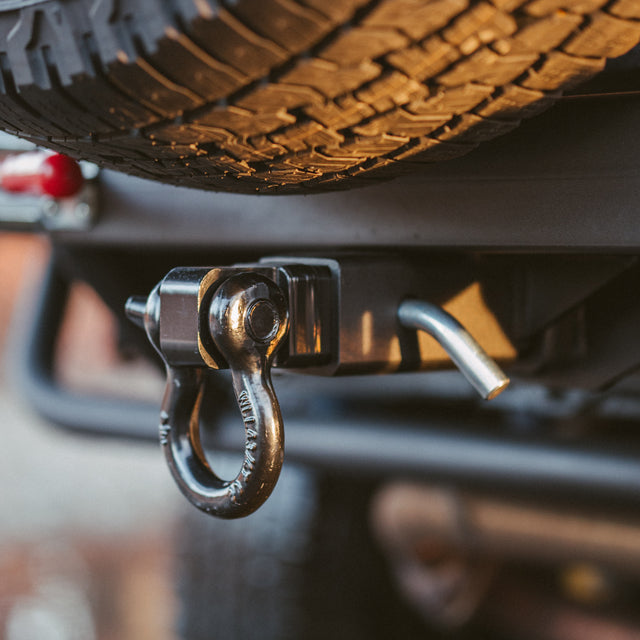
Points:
[(262, 320)]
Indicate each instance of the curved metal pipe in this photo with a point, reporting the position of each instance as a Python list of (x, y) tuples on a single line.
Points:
[(475, 364)]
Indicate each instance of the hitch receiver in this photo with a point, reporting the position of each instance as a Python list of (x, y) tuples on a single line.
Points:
[(287, 313)]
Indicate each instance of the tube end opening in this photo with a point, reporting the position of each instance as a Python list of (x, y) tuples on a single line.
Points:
[(497, 390)]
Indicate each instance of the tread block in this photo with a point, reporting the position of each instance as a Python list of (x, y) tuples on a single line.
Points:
[(604, 36), (141, 81), (233, 43), (141, 22), (222, 163), (290, 25), (337, 10), (330, 79), (545, 7), (105, 32), (483, 21), (402, 123), (243, 122), (319, 163), (266, 148), (561, 70), (515, 102), (363, 43), (424, 61), (391, 90), (340, 114), (219, 163), (188, 134), (283, 174), (307, 135), (488, 67), (372, 146), (99, 97), (541, 35), (39, 26), (416, 18), (629, 9), (271, 97), (181, 60), (257, 149), (200, 140), (452, 101)]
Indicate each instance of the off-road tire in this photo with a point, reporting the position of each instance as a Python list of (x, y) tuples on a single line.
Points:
[(291, 95)]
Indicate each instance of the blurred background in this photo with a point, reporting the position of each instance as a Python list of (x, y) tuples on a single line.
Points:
[(96, 542), (86, 525)]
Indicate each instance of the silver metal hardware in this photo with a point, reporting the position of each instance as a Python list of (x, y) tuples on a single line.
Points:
[(477, 367), (248, 320), (235, 318), (317, 315)]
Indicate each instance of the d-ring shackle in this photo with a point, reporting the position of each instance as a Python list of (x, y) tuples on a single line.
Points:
[(248, 319)]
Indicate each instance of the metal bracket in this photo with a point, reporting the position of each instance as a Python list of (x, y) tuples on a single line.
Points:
[(238, 318)]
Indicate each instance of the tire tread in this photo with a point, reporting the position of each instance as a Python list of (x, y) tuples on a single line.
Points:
[(292, 95)]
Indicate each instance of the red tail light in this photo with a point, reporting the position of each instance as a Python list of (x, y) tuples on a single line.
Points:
[(41, 173)]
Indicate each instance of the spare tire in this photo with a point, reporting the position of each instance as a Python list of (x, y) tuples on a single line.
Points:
[(291, 95)]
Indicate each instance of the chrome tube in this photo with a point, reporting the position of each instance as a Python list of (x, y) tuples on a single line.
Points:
[(478, 368)]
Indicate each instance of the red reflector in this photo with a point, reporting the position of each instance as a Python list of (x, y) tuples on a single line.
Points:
[(41, 173)]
